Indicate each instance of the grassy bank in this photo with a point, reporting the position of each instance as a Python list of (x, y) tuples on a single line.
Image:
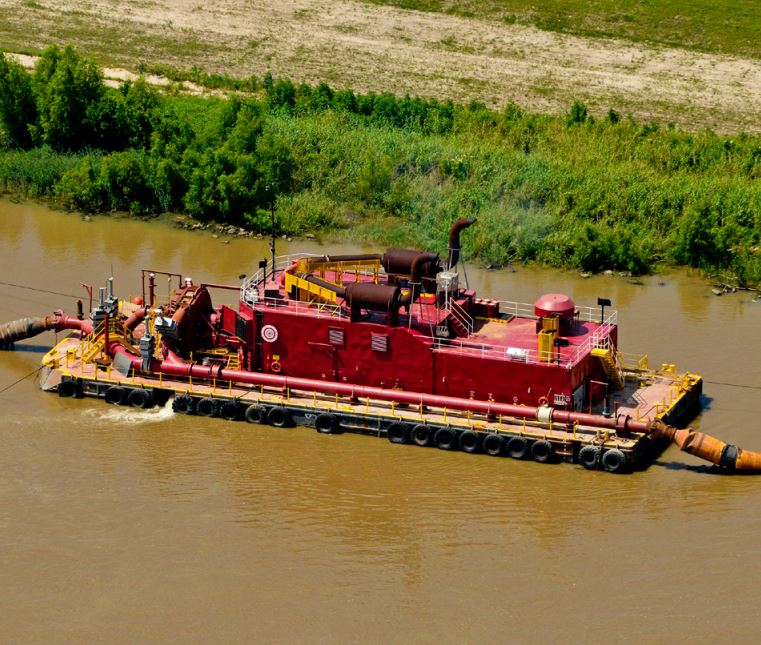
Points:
[(705, 25), (572, 191)]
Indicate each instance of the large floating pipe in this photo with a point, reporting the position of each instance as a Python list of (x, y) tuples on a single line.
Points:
[(711, 449), (24, 328)]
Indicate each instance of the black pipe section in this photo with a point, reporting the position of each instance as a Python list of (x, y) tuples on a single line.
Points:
[(454, 240), (344, 258)]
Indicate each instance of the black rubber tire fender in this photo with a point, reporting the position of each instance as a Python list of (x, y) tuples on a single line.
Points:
[(614, 461), (518, 447), (542, 451), (183, 404), (493, 444), (327, 423), (398, 432), (116, 395), (207, 407), (140, 398), (280, 417), (67, 389), (589, 457), (445, 439), (470, 442), (229, 410), (422, 435), (256, 414)]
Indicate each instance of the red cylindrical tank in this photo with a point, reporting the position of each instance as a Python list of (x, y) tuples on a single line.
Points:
[(557, 304)]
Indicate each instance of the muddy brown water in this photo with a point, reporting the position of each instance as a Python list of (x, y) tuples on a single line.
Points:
[(126, 526)]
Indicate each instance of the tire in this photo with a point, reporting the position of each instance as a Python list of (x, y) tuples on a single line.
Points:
[(256, 414), (67, 389), (589, 457), (326, 423), (614, 461), (116, 395), (422, 435), (517, 447), (542, 451), (445, 439), (493, 444), (208, 407), (398, 433), (470, 442), (280, 418), (183, 404), (139, 398), (229, 410)]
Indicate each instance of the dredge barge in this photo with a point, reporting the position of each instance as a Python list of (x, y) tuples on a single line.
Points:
[(394, 345)]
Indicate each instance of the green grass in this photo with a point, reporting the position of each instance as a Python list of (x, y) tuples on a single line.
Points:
[(706, 25)]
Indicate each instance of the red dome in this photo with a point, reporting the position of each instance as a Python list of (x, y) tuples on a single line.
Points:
[(554, 303)]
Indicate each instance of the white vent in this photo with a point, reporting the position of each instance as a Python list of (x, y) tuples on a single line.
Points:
[(379, 342), (517, 354), (336, 336)]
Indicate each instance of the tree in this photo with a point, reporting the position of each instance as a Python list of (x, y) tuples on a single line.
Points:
[(68, 87), (18, 110)]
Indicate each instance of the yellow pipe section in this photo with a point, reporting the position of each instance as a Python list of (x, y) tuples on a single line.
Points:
[(709, 448)]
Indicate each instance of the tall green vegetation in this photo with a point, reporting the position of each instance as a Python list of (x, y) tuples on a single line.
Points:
[(573, 191)]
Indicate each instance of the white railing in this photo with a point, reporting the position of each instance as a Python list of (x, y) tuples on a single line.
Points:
[(461, 316), (252, 288)]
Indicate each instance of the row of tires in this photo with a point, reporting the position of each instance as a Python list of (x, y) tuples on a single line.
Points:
[(115, 395), (497, 445)]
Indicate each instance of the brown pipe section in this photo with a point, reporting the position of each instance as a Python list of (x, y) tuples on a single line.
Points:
[(339, 291), (416, 276), (709, 448), (454, 240), (25, 328), (135, 318)]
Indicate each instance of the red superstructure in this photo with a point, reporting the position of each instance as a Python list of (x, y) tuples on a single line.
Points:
[(402, 320)]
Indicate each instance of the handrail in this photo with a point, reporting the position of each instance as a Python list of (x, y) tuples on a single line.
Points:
[(462, 316)]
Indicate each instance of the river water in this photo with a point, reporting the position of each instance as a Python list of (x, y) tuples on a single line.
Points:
[(125, 526)]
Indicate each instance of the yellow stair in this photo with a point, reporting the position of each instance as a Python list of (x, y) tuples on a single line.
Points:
[(93, 350), (609, 365)]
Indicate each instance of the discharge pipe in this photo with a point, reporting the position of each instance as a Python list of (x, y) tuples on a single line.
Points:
[(24, 328)]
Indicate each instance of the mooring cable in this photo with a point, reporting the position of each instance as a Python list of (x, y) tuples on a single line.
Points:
[(8, 387), (55, 293)]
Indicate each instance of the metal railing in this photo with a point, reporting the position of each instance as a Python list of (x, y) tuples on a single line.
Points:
[(461, 316)]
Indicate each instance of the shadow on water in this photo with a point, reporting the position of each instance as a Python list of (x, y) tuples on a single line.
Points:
[(32, 349), (705, 469)]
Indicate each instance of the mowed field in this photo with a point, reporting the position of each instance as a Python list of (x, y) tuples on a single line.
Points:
[(459, 50)]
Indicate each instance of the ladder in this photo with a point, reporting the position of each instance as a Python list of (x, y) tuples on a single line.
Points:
[(609, 365)]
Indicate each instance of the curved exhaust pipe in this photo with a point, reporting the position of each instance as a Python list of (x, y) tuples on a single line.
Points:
[(454, 240)]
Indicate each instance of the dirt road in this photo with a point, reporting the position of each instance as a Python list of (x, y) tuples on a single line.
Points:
[(367, 47)]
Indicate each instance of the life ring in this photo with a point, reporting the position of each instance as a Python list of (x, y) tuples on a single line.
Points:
[(542, 451), (229, 410), (276, 367), (326, 423), (470, 441), (614, 461), (280, 418), (589, 457), (445, 439), (543, 400), (493, 444), (517, 447), (398, 433), (256, 414), (422, 435)]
